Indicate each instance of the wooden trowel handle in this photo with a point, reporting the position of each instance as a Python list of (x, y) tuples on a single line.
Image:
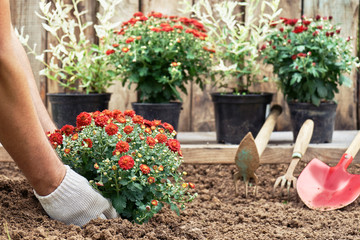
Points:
[(263, 136), (303, 138), (354, 146)]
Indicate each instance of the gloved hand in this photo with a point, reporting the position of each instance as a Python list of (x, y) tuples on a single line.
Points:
[(76, 202)]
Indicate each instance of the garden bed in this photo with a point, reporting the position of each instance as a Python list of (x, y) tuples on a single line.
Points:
[(215, 214)]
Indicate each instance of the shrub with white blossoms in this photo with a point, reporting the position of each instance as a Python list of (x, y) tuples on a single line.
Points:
[(128, 159), (75, 62)]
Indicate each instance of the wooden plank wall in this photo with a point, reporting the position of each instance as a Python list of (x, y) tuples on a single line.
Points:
[(197, 113)]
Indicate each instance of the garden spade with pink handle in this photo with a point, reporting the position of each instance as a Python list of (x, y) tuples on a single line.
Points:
[(247, 158), (326, 188)]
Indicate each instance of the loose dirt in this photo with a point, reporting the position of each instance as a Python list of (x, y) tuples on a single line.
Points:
[(215, 214)]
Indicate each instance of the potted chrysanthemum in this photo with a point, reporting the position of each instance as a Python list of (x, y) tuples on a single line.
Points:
[(160, 55), (235, 35), (311, 61), (130, 160)]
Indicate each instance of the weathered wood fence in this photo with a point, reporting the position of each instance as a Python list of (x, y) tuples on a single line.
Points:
[(198, 113)]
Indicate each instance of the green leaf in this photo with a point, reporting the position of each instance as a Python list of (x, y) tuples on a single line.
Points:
[(345, 80), (315, 100), (143, 71), (175, 208), (296, 78), (321, 90), (118, 202), (301, 48)]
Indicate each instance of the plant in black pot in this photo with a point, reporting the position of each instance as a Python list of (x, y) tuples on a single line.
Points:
[(310, 59), (160, 55), (235, 30), (79, 66)]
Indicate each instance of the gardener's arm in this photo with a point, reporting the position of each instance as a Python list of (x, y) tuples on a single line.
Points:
[(66, 196)]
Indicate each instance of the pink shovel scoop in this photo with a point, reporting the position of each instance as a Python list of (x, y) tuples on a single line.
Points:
[(326, 188)]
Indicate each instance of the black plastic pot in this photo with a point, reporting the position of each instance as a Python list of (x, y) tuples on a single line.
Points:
[(323, 117), (236, 115), (66, 106), (166, 112)]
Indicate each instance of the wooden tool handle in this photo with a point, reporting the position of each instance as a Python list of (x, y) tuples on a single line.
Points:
[(302, 142), (354, 146), (303, 138), (263, 136)]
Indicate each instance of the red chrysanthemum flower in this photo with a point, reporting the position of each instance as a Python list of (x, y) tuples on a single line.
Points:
[(67, 150), (126, 162), (168, 127), (179, 27), (130, 40), (125, 49), (107, 112), (101, 120), (129, 113), (161, 138), (115, 45), (87, 142), (83, 119), (148, 130), (306, 22), (154, 202), (116, 113), (143, 18), (299, 29), (191, 185), (128, 129), (155, 29), (110, 51), (121, 119), (301, 54), (150, 141), (156, 122), (96, 166), (75, 137), (111, 129), (56, 138), (173, 145), (67, 130), (122, 146), (138, 14), (151, 180), (155, 15), (138, 119), (145, 169)]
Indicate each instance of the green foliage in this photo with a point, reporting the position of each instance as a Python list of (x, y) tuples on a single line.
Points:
[(236, 35), (160, 55), (310, 58), (75, 63), (139, 188)]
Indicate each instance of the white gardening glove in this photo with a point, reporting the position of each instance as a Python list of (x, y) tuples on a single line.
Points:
[(75, 201)]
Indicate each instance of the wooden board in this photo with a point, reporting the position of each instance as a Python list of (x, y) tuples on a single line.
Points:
[(201, 148), (23, 15), (122, 97), (198, 113)]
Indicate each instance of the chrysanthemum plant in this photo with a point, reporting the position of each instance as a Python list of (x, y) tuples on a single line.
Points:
[(130, 160), (160, 55), (235, 31), (76, 63), (310, 58)]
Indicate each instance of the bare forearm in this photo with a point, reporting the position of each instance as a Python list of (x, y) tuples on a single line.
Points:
[(21, 132), (43, 115)]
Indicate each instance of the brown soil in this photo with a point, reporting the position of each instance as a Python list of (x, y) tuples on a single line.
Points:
[(215, 214)]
